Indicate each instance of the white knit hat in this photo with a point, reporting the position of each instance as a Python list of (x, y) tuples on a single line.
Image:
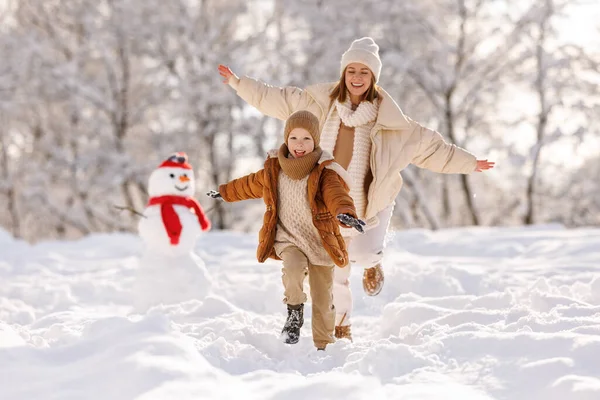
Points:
[(364, 51)]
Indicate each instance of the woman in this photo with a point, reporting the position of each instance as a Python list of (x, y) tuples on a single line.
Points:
[(369, 135)]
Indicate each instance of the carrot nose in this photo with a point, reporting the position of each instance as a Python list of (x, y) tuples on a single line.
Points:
[(184, 179)]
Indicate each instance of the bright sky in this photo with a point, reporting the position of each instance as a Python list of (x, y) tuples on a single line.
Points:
[(583, 27)]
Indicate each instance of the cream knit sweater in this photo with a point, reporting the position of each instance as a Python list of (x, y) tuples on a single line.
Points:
[(295, 225)]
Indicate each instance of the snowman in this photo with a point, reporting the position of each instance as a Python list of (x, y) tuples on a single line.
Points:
[(170, 272)]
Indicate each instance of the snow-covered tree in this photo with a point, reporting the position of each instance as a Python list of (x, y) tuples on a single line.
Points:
[(564, 82), (94, 94)]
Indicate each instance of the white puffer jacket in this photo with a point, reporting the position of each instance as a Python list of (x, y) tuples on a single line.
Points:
[(396, 139)]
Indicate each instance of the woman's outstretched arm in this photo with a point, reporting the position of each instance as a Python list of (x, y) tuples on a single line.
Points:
[(276, 102)]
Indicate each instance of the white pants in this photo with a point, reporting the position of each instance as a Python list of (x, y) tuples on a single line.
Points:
[(365, 250)]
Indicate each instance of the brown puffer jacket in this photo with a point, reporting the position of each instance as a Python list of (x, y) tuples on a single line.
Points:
[(327, 193)]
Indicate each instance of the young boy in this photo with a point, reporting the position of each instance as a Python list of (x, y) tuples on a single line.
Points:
[(306, 198)]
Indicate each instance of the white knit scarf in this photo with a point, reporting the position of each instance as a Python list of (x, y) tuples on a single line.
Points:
[(365, 112), (362, 120)]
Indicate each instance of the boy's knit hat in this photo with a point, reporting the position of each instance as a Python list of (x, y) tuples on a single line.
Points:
[(364, 51), (306, 120)]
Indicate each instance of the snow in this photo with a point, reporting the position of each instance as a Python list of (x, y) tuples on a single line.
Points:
[(471, 313)]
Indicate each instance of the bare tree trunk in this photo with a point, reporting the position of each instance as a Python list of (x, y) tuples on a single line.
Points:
[(464, 182), (259, 138), (210, 139), (446, 205), (218, 207), (11, 193), (14, 213), (542, 123), (421, 199), (75, 120), (120, 116), (449, 112)]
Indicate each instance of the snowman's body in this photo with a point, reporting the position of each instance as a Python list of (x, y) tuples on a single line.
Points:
[(152, 231), (169, 280), (169, 270)]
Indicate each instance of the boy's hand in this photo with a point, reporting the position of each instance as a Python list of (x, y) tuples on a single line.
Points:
[(483, 165), (352, 222), (214, 194)]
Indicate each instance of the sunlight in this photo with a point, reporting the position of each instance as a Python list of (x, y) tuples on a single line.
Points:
[(581, 25)]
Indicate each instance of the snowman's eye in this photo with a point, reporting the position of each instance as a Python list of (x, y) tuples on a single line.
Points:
[(172, 176), (185, 175)]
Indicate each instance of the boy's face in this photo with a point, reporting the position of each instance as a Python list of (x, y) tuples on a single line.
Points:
[(300, 142)]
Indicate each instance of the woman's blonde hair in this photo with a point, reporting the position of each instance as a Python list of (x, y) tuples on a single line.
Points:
[(340, 90)]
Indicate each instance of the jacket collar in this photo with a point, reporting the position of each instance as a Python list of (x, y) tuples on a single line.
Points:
[(390, 116), (325, 156), (325, 161)]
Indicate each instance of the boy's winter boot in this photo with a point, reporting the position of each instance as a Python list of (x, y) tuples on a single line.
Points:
[(295, 319)]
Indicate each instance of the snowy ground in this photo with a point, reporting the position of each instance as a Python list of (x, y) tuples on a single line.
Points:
[(465, 314)]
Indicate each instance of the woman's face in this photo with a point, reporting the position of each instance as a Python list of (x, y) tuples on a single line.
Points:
[(300, 142), (358, 79)]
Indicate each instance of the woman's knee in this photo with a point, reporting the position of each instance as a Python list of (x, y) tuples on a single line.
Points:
[(367, 259), (341, 275)]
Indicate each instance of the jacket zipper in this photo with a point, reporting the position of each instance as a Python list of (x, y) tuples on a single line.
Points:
[(372, 162)]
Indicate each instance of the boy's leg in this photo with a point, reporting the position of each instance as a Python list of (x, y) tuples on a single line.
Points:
[(295, 268), (320, 278)]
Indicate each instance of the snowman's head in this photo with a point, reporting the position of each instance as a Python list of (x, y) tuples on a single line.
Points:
[(173, 177)]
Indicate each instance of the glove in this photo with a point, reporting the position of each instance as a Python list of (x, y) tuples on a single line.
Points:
[(350, 221), (214, 194)]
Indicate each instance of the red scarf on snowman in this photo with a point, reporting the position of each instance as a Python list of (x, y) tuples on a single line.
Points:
[(171, 219), (167, 211)]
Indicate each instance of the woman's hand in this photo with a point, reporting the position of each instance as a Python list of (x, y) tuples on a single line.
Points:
[(227, 73), (483, 165)]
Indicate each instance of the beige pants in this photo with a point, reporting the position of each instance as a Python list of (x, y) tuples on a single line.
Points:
[(320, 278)]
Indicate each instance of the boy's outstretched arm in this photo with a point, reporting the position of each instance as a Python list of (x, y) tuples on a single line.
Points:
[(336, 197), (247, 187)]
